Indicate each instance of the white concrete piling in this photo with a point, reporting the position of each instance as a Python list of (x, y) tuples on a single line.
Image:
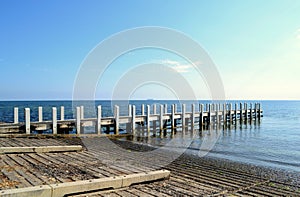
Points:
[(117, 119), (201, 107), (148, 120), (224, 114), (259, 110), (129, 110), (143, 109), (183, 115), (154, 109), (27, 120), (246, 111), (235, 112), (173, 117), (209, 113), (54, 120), (99, 117), (230, 109), (193, 116), (133, 120), (78, 120), (16, 115), (217, 114), (40, 111), (161, 116), (166, 108), (62, 113), (81, 112), (251, 112), (241, 112)]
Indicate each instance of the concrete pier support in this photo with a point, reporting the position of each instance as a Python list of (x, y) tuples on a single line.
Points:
[(27, 120)]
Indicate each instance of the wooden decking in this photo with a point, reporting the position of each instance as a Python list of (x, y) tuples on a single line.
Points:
[(190, 176)]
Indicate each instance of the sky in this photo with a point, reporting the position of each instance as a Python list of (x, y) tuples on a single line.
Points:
[(254, 44)]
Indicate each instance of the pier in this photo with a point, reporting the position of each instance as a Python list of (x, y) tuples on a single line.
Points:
[(146, 123)]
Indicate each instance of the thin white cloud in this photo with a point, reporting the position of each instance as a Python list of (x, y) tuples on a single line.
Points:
[(178, 66)]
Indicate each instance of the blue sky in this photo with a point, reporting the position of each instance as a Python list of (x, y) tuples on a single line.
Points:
[(254, 44)]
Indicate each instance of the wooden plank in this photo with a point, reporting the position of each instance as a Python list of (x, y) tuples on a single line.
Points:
[(39, 149)]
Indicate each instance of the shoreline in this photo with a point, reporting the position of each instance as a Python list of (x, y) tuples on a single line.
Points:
[(274, 173)]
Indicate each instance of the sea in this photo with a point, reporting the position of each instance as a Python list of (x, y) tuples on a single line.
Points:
[(273, 142)]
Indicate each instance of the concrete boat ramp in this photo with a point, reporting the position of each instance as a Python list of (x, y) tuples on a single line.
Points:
[(99, 168)]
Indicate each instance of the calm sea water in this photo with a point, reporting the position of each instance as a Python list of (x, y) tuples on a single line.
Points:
[(274, 142)]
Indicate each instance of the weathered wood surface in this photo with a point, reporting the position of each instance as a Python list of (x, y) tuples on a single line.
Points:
[(189, 176)]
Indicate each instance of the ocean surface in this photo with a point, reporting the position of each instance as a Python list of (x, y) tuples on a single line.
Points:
[(272, 142)]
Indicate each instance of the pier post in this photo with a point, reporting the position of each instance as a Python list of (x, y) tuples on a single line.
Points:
[(217, 114), (173, 117), (117, 119), (62, 113), (175, 108), (224, 114), (99, 117), (166, 108), (78, 118), (148, 120), (246, 111), (259, 110), (143, 109), (201, 115), (129, 110), (133, 120), (206, 107), (255, 110), (183, 116), (54, 120), (40, 111), (230, 109), (193, 115), (235, 112), (154, 121), (27, 120), (154, 109), (81, 112), (161, 121), (241, 112), (251, 112), (209, 113), (16, 115)]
